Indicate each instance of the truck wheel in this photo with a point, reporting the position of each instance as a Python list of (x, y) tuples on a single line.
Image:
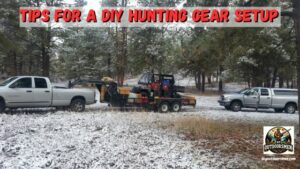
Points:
[(236, 106), (278, 110), (77, 105), (176, 107), (164, 107), (290, 108), (2, 106)]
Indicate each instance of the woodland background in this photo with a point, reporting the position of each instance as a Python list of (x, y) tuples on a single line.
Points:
[(259, 56)]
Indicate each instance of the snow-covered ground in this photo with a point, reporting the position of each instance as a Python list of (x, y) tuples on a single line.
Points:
[(98, 139), (106, 139)]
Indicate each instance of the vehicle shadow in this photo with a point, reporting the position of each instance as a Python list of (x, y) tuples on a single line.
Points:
[(246, 110), (265, 111), (29, 111), (259, 111)]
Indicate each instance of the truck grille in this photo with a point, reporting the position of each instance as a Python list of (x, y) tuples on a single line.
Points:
[(222, 98)]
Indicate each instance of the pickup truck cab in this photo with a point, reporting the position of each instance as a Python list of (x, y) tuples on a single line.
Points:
[(264, 98), (35, 91)]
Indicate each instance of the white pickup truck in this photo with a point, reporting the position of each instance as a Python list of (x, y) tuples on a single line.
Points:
[(260, 97), (35, 91)]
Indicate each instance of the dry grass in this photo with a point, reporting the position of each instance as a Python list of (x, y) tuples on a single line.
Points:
[(238, 138), (197, 128)]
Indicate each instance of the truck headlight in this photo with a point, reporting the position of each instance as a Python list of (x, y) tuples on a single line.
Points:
[(227, 98)]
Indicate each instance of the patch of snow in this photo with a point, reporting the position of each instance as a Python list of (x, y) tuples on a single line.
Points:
[(234, 87), (99, 140)]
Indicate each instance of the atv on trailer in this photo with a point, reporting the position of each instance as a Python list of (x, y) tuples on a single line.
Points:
[(156, 92), (161, 93)]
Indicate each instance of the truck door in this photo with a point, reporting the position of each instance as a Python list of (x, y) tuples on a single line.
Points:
[(251, 98), (20, 93), (42, 92), (265, 100)]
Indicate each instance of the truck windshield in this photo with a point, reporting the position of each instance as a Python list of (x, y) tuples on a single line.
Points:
[(7, 81)]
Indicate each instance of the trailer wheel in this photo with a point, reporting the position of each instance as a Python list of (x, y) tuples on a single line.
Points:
[(77, 105), (164, 107), (176, 107)]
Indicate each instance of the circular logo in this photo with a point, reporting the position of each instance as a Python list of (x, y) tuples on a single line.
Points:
[(278, 140)]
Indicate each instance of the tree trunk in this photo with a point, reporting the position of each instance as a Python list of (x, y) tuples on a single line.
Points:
[(221, 80), (297, 29), (124, 53), (45, 62), (209, 79), (198, 80), (109, 73), (217, 78), (122, 57), (20, 66), (45, 46), (254, 82), (281, 81), (12, 64), (203, 82), (249, 83), (274, 77), (268, 81)]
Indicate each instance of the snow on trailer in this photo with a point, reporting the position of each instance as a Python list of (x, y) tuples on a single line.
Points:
[(154, 92)]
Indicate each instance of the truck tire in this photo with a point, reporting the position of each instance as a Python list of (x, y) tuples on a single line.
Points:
[(236, 106), (2, 105), (176, 107), (278, 110), (290, 108), (164, 107), (77, 105)]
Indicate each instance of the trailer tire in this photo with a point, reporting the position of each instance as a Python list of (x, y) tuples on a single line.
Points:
[(164, 107), (176, 107), (77, 105)]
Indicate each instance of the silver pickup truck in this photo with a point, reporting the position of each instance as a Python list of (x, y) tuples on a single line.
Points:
[(278, 99), (34, 91)]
